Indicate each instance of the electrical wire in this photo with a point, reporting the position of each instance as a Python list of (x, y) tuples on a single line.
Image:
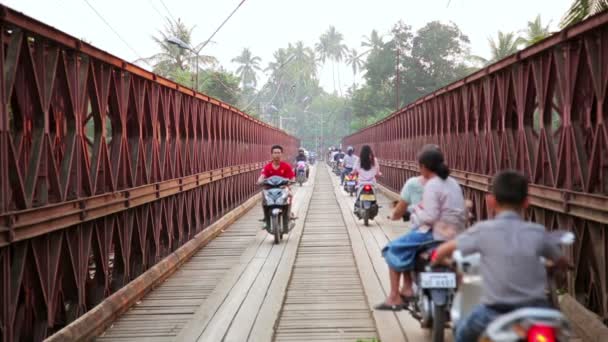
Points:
[(156, 9), (167, 8), (115, 32), (221, 25)]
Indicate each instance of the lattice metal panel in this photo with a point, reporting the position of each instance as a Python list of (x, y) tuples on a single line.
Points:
[(542, 111), (105, 169)]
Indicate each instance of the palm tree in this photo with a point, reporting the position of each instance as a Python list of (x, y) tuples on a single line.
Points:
[(505, 45), (581, 10), (373, 41), (172, 59), (356, 62), (536, 31), (248, 65), (330, 46)]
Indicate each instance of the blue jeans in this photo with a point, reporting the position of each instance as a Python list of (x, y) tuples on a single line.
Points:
[(472, 327), (400, 254), (346, 171)]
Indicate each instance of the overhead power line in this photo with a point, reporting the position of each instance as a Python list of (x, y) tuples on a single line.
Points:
[(115, 32), (221, 25), (167, 9)]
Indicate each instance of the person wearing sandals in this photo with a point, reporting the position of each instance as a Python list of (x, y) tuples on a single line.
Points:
[(441, 215)]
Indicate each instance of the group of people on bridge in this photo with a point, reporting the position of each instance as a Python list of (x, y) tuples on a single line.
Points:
[(510, 247)]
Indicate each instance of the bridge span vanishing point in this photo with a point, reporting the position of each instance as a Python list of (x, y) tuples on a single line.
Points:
[(129, 211)]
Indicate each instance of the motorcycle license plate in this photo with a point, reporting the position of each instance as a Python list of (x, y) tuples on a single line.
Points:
[(368, 197), (432, 280), (351, 183)]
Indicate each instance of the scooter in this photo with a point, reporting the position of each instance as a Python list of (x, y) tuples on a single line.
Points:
[(434, 289), (276, 200), (350, 184), (366, 206), (301, 172), (525, 324)]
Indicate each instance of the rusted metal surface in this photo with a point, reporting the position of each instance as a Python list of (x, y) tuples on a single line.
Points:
[(100, 317), (105, 169), (542, 111)]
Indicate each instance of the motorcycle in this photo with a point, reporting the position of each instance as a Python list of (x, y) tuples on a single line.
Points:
[(524, 324), (434, 288), (276, 200), (301, 172), (366, 206), (350, 184), (339, 167)]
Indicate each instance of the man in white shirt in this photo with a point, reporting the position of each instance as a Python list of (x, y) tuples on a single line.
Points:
[(350, 160)]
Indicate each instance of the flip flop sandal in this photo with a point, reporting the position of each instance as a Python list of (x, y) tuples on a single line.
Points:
[(407, 299), (387, 307)]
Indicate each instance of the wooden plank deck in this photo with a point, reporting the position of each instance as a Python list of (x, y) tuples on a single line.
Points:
[(162, 314), (367, 243), (317, 285), (325, 299)]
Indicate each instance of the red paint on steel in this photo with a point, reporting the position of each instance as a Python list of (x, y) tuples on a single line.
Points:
[(105, 169)]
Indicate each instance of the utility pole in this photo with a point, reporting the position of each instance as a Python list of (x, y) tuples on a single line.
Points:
[(397, 79)]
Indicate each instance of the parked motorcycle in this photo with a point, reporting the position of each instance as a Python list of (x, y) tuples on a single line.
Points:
[(366, 206), (276, 200), (350, 184), (434, 288), (301, 172), (525, 324)]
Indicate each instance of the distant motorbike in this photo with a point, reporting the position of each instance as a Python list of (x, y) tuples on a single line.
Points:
[(524, 324), (350, 184), (366, 206), (276, 200), (301, 172)]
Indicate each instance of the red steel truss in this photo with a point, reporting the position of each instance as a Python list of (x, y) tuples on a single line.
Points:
[(543, 111), (105, 169)]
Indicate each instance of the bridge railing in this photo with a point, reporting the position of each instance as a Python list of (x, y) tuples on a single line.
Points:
[(542, 111), (105, 168)]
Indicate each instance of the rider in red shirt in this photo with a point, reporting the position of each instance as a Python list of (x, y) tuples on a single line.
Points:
[(276, 167)]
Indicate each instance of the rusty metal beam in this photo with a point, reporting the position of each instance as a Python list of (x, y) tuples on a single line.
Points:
[(96, 320), (26, 224), (542, 111), (105, 169)]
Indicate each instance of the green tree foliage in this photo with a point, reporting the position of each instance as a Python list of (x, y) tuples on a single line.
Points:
[(431, 58), (536, 31), (171, 57), (248, 66), (331, 46), (220, 84), (581, 10)]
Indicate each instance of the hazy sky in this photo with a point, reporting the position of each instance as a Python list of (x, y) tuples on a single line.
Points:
[(266, 25)]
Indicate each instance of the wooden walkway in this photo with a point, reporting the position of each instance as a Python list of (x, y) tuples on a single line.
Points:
[(317, 285), (162, 314), (325, 299)]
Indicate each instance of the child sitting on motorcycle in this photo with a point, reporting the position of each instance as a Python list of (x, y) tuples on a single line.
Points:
[(439, 216), (510, 248)]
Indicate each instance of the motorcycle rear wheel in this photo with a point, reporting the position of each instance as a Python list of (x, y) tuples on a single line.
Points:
[(440, 316), (366, 218), (276, 229)]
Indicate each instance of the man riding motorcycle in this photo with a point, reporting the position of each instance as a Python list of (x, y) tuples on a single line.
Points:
[(302, 157), (350, 159), (276, 167)]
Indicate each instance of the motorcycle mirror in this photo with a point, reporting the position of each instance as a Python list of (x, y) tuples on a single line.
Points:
[(567, 238)]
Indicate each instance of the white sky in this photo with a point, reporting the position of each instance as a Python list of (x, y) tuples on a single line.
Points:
[(266, 25)]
